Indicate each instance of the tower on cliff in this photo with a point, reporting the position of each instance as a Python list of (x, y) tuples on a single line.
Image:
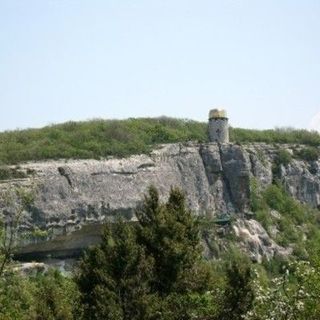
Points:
[(218, 126)]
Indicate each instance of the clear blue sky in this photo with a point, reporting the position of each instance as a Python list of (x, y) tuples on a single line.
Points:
[(82, 59)]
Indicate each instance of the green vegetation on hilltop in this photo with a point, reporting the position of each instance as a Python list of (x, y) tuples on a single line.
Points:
[(102, 138), (279, 135), (308, 154), (96, 139)]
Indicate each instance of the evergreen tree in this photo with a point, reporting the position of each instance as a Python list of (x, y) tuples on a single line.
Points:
[(238, 295), (171, 237), (144, 271), (113, 277)]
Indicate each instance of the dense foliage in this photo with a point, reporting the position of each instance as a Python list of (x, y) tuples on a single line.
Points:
[(103, 138), (153, 269), (292, 223), (47, 296), (279, 135), (142, 268), (95, 139), (308, 154), (117, 272), (40, 297)]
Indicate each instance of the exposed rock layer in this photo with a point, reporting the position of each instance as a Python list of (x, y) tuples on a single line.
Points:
[(75, 197)]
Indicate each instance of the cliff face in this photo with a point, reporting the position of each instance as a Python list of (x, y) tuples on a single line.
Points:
[(75, 197)]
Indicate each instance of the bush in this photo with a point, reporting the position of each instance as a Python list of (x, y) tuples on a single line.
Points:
[(284, 157), (55, 297), (121, 138), (280, 135), (16, 299), (264, 217), (11, 173), (295, 221), (309, 154), (96, 138)]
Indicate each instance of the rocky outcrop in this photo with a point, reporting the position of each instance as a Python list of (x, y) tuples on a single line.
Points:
[(254, 240), (75, 197), (301, 180)]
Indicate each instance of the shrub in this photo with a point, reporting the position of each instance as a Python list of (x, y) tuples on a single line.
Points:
[(309, 154), (283, 157), (16, 298), (55, 297), (96, 138), (11, 173), (120, 138), (264, 217)]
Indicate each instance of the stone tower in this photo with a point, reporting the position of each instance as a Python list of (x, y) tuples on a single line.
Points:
[(218, 126)]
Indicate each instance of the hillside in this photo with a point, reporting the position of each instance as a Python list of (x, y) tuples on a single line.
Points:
[(97, 139), (256, 206), (73, 197)]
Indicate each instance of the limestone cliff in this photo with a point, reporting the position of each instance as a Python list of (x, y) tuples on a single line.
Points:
[(75, 197)]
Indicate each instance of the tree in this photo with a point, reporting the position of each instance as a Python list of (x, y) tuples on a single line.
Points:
[(294, 295), (113, 277), (171, 237), (16, 299), (54, 296), (146, 270), (238, 295)]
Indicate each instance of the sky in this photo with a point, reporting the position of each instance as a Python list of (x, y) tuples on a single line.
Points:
[(75, 60)]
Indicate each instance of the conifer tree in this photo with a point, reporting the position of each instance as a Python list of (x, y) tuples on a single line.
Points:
[(113, 277), (170, 235), (238, 295), (139, 268)]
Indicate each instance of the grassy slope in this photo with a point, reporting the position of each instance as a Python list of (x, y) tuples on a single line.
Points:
[(102, 138)]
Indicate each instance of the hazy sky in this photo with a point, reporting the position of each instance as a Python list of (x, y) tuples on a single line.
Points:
[(81, 59)]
